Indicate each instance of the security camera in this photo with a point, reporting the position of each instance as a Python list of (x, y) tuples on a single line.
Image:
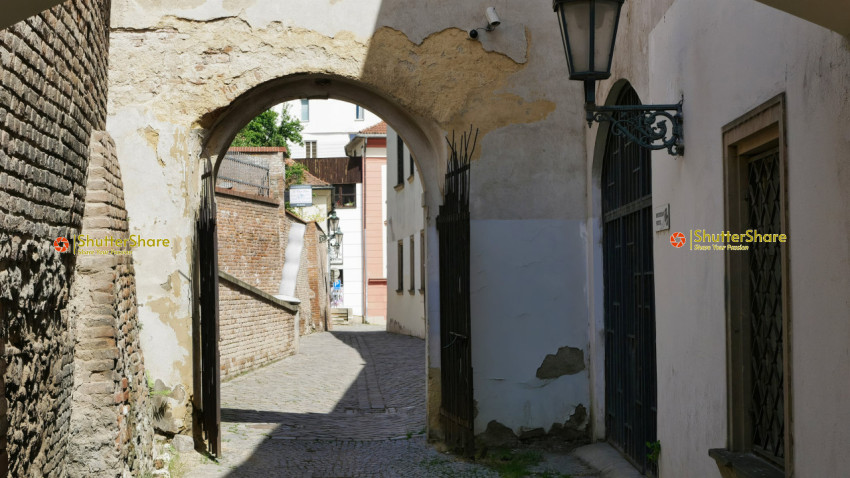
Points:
[(493, 19)]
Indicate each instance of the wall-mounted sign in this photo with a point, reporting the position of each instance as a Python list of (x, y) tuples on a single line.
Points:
[(300, 195), (662, 218)]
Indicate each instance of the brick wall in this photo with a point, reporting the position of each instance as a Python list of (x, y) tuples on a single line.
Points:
[(52, 96), (318, 278), (249, 245), (110, 417), (253, 233), (254, 331)]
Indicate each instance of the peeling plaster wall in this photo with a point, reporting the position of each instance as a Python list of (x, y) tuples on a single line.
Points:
[(727, 58), (177, 70)]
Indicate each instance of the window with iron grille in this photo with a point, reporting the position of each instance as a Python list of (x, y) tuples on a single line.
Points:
[(759, 372), (345, 196), (412, 288), (421, 261), (399, 160), (400, 270), (310, 149)]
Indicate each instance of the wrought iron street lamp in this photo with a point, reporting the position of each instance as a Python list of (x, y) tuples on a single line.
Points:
[(334, 234), (334, 239), (589, 30)]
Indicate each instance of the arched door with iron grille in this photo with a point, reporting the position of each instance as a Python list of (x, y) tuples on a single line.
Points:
[(630, 375)]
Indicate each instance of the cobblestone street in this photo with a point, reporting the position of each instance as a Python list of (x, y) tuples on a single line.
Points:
[(351, 403)]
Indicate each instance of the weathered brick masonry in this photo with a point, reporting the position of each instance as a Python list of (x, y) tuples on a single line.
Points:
[(53, 71), (248, 240), (254, 331), (253, 234), (110, 418)]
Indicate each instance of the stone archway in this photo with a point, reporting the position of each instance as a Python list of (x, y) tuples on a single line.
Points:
[(184, 77), (424, 139)]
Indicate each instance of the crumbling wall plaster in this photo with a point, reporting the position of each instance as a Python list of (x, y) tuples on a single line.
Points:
[(181, 72)]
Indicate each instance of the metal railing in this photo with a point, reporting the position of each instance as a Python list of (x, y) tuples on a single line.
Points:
[(244, 172)]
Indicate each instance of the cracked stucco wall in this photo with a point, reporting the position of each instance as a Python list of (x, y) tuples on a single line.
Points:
[(176, 70)]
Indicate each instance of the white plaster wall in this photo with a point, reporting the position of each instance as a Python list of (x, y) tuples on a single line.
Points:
[(727, 57), (351, 224), (405, 218), (155, 210), (318, 212), (332, 122), (543, 310)]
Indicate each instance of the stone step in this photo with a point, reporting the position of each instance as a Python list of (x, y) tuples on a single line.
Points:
[(340, 316)]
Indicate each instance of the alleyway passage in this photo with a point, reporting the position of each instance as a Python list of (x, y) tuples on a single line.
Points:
[(351, 403)]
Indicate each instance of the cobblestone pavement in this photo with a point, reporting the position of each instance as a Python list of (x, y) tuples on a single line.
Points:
[(351, 403)]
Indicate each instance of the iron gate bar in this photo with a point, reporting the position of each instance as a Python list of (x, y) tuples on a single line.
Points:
[(630, 375), (456, 408), (767, 403), (208, 273)]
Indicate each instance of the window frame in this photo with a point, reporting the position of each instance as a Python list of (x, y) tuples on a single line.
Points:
[(339, 195), (399, 161), (400, 268), (359, 113), (305, 111), (422, 261), (412, 288), (311, 147), (757, 131)]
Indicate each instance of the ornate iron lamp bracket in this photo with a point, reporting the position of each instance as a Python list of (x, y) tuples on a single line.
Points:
[(650, 126)]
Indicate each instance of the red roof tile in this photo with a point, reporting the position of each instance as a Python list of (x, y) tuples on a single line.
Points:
[(380, 128)]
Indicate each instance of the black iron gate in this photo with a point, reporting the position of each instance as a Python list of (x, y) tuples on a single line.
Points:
[(630, 375), (456, 408), (208, 276)]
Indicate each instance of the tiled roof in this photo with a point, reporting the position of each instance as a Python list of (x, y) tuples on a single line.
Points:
[(258, 149), (380, 128), (308, 178)]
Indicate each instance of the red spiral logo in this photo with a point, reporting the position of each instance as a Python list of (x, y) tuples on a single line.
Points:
[(61, 244), (677, 240)]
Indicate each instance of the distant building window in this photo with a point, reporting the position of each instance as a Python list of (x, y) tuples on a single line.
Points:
[(310, 149), (421, 261), (345, 196), (305, 110), (400, 160), (412, 288), (400, 271), (359, 113)]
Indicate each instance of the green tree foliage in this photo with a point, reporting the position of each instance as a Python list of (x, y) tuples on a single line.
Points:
[(267, 130), (295, 174)]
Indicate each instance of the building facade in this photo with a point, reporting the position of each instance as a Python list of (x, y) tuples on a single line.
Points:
[(370, 145), (406, 275), (765, 97)]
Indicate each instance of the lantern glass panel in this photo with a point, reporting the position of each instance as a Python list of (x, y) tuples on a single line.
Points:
[(575, 16), (607, 13)]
